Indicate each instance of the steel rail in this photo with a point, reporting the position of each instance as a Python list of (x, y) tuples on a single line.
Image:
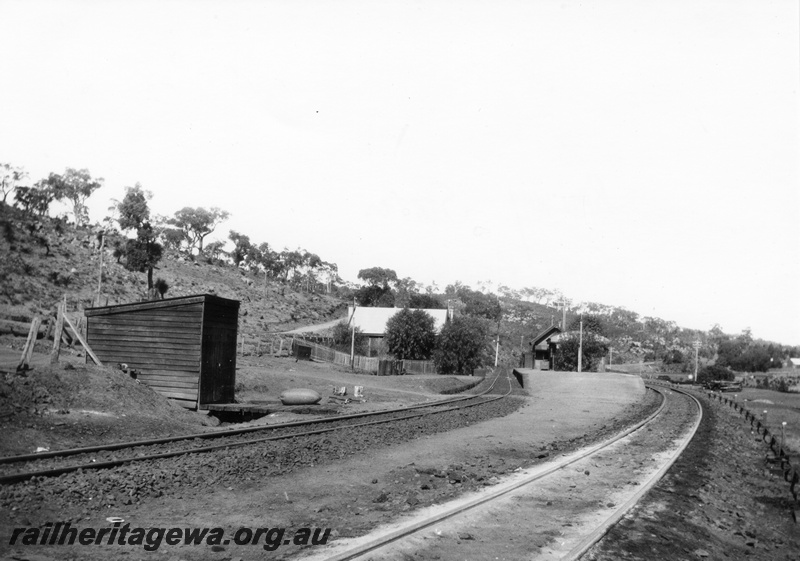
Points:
[(587, 542), (412, 528), (231, 432), (22, 476)]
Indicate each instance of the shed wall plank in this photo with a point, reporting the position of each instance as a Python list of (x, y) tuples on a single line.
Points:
[(188, 384), (143, 333), (144, 366), (172, 374), (164, 347), (168, 382), (177, 394), (158, 322)]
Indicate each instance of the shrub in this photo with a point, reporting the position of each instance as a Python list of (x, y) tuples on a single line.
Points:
[(715, 372), (342, 335), (161, 286), (781, 385), (673, 356), (594, 349), (8, 231), (460, 346), (410, 334)]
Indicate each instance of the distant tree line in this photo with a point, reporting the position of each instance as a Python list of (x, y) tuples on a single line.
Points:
[(73, 186), (139, 241), (149, 237)]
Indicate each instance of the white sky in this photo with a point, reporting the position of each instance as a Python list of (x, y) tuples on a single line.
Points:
[(636, 153)]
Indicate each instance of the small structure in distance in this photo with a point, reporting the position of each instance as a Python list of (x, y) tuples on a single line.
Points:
[(543, 350)]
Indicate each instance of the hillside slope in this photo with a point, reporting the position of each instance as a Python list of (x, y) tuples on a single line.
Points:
[(47, 259)]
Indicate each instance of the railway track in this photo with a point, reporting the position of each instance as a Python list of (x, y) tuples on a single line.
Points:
[(556, 510), (15, 469)]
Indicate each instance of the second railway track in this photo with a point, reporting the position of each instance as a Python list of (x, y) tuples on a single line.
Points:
[(553, 511), (21, 468)]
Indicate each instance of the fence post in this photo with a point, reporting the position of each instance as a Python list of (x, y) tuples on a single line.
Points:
[(62, 308), (33, 333)]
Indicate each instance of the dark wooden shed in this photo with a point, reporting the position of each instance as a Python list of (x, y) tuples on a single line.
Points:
[(184, 348)]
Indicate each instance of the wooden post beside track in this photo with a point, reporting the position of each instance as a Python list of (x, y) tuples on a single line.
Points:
[(27, 351), (82, 341), (58, 332)]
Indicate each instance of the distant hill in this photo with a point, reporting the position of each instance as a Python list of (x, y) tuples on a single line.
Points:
[(46, 259)]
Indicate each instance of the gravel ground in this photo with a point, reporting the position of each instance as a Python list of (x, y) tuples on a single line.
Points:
[(348, 482), (131, 484), (720, 500), (548, 517)]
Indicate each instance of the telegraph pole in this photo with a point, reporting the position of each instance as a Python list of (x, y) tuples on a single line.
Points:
[(497, 345), (353, 335), (696, 351), (100, 275), (580, 345)]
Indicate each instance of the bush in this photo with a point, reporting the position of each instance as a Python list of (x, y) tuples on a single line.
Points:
[(161, 286), (715, 372), (594, 349), (460, 346), (673, 356), (782, 385), (342, 335), (410, 334)]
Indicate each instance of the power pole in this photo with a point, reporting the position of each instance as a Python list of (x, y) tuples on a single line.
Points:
[(100, 274), (353, 336), (580, 345)]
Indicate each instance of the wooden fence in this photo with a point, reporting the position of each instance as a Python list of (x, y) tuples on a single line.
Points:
[(322, 353), (419, 367)]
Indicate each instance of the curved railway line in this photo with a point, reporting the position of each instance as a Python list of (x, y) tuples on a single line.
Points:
[(14, 469), (569, 531)]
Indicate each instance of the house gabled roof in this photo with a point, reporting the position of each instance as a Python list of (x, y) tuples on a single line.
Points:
[(372, 321), (544, 335)]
